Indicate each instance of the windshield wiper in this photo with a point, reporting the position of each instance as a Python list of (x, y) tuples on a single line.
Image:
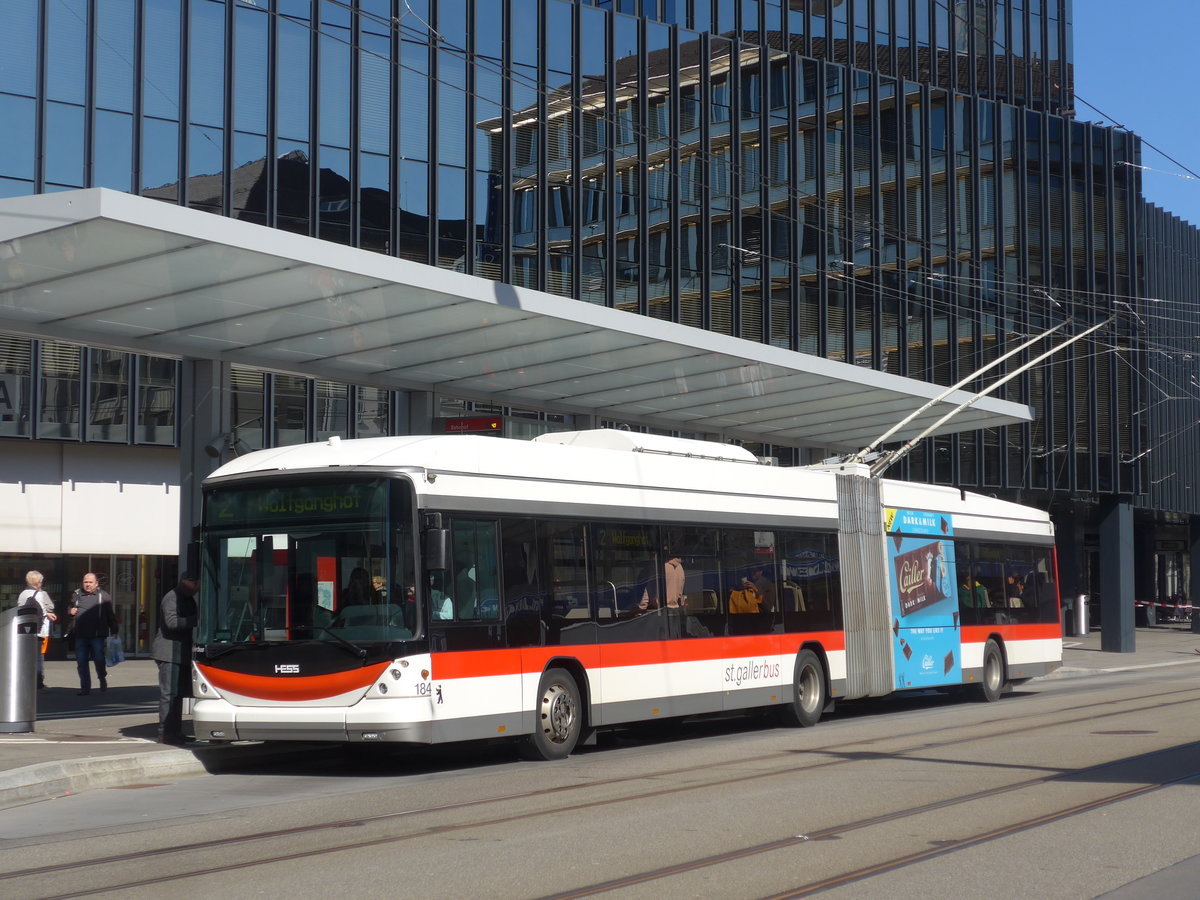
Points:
[(350, 646)]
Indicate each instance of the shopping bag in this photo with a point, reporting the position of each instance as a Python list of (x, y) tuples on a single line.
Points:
[(114, 653)]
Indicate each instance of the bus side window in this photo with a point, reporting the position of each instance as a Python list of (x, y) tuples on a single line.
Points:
[(972, 596), (1040, 587), (810, 592), (522, 599), (475, 587), (1018, 588)]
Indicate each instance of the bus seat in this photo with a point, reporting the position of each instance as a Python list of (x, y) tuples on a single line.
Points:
[(794, 598)]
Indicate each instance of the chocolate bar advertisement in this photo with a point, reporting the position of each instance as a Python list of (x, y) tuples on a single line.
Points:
[(926, 636)]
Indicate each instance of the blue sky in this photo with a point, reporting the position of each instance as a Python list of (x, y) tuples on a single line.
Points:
[(1138, 62)]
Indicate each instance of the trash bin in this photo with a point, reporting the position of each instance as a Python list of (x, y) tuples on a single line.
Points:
[(18, 669), (1082, 615), (1068, 616)]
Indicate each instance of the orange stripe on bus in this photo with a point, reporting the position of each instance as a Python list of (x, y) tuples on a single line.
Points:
[(276, 687), (1037, 631), (484, 663)]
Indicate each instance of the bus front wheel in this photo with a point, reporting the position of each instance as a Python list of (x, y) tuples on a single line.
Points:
[(559, 718), (808, 693)]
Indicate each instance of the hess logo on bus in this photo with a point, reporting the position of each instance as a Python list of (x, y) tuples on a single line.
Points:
[(287, 669)]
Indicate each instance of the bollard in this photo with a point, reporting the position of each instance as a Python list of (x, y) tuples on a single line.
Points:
[(18, 669), (1082, 615)]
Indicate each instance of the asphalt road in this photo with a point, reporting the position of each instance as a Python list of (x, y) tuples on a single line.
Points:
[(1070, 789)]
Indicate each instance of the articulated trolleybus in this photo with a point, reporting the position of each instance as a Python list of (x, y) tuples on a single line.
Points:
[(449, 588)]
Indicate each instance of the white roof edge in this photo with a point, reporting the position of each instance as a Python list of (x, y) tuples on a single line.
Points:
[(637, 442)]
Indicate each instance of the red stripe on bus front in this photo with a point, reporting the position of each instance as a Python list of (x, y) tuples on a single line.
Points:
[(280, 687)]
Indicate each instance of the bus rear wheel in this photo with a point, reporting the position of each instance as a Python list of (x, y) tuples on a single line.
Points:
[(991, 682), (559, 718), (808, 692)]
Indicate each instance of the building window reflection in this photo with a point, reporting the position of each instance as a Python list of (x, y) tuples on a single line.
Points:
[(290, 409), (246, 397), (157, 385), (108, 396), (332, 410), (16, 369), (372, 417), (61, 390)]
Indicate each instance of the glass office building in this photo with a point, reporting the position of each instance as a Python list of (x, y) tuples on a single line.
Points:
[(897, 184)]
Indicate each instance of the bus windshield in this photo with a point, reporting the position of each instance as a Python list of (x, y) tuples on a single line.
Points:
[(304, 561)]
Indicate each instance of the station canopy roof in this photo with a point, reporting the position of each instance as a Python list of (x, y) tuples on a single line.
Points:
[(115, 270)]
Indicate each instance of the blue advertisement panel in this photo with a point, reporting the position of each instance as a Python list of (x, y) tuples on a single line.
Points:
[(927, 640)]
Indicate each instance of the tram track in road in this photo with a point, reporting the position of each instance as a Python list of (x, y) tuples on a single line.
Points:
[(889, 865), (836, 756)]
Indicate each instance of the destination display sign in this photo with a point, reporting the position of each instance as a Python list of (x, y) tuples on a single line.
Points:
[(357, 501)]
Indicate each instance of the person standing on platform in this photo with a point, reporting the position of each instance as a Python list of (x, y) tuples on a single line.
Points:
[(172, 652), (33, 592), (92, 620)]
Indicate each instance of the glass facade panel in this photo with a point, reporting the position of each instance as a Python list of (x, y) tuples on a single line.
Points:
[(250, 67), (60, 389), (16, 386), (332, 410), (290, 410), (292, 98), (157, 400), (65, 145), (371, 417), (160, 159), (19, 47), (206, 181), (108, 396), (19, 115), (247, 396), (206, 55), (160, 68), (115, 53), (113, 168), (66, 50)]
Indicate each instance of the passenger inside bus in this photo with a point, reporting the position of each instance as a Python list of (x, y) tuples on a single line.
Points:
[(359, 591), (764, 581), (973, 596), (675, 579), (465, 591), (745, 599), (647, 588), (1016, 592)]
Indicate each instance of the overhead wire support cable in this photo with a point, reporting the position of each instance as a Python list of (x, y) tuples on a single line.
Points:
[(882, 465), (861, 455)]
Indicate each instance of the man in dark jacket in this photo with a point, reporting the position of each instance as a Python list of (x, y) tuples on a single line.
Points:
[(172, 651), (92, 620)]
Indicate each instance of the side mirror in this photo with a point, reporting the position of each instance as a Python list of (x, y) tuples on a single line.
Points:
[(437, 549)]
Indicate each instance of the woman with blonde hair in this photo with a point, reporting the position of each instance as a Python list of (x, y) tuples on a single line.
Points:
[(33, 593)]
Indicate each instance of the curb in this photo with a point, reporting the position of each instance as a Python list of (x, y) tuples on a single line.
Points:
[(47, 781), (1084, 671)]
